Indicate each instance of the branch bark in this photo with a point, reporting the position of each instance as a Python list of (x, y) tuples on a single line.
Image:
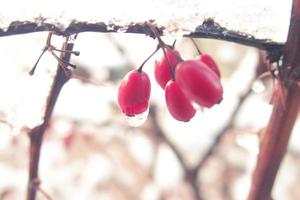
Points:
[(286, 106), (37, 133), (208, 29)]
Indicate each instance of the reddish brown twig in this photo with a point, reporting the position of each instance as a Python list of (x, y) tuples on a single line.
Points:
[(44, 193), (37, 185), (286, 100), (37, 133)]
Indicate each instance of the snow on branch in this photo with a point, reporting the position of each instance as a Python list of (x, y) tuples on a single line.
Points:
[(263, 24)]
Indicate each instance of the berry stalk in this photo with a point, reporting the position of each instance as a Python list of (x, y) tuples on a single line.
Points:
[(169, 64), (196, 46), (163, 46), (142, 65)]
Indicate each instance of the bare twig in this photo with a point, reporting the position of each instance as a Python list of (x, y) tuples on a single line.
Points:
[(285, 111), (51, 49), (196, 46), (43, 192), (3, 121), (87, 80), (146, 60), (190, 178), (159, 133), (36, 134), (220, 135)]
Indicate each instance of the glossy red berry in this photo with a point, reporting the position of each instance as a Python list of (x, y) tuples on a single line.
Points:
[(134, 93), (209, 61), (162, 71), (179, 106), (199, 83)]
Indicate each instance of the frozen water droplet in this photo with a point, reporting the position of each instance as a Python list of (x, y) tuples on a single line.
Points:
[(258, 86), (137, 120), (198, 107)]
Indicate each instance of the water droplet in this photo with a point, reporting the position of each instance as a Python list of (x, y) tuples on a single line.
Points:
[(137, 120), (198, 107), (258, 86)]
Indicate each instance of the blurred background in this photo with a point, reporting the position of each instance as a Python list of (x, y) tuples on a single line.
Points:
[(91, 151)]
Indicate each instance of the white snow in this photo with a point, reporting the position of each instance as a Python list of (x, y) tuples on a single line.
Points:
[(268, 19)]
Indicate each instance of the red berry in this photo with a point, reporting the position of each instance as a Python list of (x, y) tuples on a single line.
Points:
[(199, 83), (209, 61), (179, 106), (162, 71), (134, 93)]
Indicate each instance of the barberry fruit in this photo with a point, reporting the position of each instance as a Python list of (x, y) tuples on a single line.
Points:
[(134, 93), (209, 61), (161, 71), (179, 106), (199, 83)]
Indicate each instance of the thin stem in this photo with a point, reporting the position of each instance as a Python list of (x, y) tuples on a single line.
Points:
[(36, 63), (86, 80), (44, 193), (190, 177), (51, 48), (196, 46), (169, 64), (157, 36), (174, 43), (142, 65), (220, 135), (178, 58), (48, 42), (63, 63), (163, 46), (37, 185), (37, 133)]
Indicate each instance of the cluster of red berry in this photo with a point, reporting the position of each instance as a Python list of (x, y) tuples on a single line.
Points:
[(185, 82)]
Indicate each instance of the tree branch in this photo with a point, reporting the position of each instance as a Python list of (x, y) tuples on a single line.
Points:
[(285, 111), (37, 133), (208, 29)]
